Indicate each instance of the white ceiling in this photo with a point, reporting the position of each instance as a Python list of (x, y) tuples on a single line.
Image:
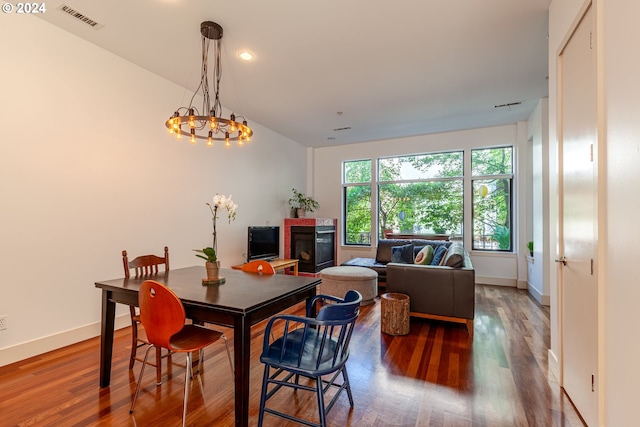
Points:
[(393, 68)]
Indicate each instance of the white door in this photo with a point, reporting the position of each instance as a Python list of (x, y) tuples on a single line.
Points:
[(579, 304)]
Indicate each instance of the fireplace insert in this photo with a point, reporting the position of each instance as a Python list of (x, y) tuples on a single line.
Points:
[(313, 247)]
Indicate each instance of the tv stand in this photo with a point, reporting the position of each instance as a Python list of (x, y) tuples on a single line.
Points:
[(277, 264)]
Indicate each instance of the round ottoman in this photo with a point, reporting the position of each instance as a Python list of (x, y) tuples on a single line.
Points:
[(337, 281)]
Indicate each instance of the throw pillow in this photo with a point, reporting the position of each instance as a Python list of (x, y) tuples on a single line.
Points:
[(402, 254), (383, 252), (438, 254), (455, 256), (416, 250), (425, 255), (444, 256)]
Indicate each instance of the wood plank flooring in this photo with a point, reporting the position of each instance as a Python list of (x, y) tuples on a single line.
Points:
[(435, 376)]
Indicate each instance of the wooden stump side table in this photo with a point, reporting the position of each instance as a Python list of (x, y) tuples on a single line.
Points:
[(394, 314)]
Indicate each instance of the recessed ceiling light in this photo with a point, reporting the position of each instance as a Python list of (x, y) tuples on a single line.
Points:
[(246, 55)]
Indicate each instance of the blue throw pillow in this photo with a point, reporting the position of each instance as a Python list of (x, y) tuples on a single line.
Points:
[(438, 254), (402, 254)]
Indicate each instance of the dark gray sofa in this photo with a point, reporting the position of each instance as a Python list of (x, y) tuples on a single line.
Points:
[(437, 292), (383, 254)]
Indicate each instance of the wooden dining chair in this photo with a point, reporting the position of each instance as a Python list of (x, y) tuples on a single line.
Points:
[(163, 318), (142, 266), (259, 266), (312, 347)]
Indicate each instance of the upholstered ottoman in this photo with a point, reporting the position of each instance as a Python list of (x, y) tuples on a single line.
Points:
[(338, 280)]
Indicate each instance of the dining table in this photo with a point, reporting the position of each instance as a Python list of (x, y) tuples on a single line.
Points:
[(243, 300)]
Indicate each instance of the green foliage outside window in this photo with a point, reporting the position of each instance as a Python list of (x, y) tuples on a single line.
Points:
[(492, 199), (424, 194), (357, 202), (421, 194)]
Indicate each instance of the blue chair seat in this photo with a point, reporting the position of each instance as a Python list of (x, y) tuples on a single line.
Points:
[(314, 358)]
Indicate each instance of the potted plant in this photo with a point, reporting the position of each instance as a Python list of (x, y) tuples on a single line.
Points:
[(302, 204), (212, 264), (209, 253), (530, 247)]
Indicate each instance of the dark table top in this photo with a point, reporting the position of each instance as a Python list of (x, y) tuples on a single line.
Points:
[(241, 293)]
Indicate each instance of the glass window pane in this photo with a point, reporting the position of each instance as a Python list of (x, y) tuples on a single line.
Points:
[(492, 214), (421, 208), (425, 166), (492, 161), (357, 171), (357, 202)]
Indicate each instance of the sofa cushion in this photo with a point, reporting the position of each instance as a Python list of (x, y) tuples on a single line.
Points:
[(361, 262), (425, 255), (402, 254), (383, 252), (455, 256), (438, 254)]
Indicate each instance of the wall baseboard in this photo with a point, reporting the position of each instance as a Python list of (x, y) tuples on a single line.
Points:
[(522, 284), (39, 346), (538, 296), (497, 281)]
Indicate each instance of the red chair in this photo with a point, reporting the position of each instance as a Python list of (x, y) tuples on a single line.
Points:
[(144, 265), (259, 266), (163, 317)]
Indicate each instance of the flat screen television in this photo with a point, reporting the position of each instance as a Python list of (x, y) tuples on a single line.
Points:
[(263, 242)]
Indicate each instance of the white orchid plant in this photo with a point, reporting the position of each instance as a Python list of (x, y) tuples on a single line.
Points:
[(219, 202)]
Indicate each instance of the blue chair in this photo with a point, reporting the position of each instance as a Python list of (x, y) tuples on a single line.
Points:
[(312, 348)]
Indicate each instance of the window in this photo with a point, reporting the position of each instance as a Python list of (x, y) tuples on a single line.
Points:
[(421, 194), (492, 181), (356, 190)]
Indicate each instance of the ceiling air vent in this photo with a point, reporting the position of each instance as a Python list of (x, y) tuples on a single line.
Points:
[(80, 17), (509, 105), (339, 129)]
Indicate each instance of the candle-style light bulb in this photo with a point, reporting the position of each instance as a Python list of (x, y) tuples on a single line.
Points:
[(245, 129), (210, 139), (226, 140), (192, 119), (232, 123), (193, 136)]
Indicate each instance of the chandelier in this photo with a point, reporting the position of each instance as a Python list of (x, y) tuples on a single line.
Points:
[(194, 123)]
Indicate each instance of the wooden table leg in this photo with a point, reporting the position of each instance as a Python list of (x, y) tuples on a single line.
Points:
[(295, 268), (241, 355), (106, 338)]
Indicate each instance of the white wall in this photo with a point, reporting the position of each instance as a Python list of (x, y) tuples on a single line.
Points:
[(539, 137), (87, 169), (492, 268), (618, 31)]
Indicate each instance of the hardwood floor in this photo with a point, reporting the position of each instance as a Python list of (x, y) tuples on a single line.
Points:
[(435, 376)]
